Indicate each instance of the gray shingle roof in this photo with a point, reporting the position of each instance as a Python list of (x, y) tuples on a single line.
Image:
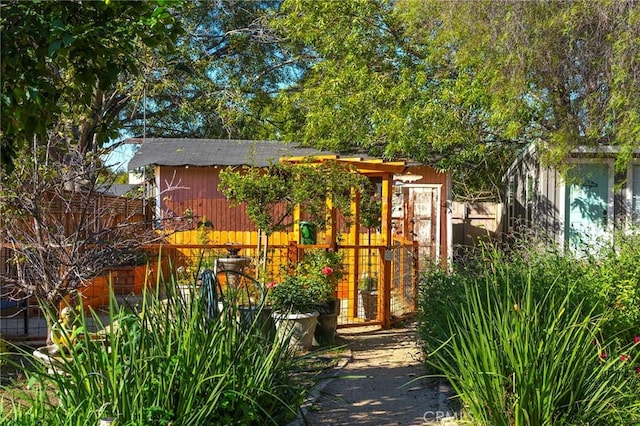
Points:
[(213, 152)]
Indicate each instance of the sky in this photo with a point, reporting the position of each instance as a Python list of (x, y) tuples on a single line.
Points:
[(118, 158)]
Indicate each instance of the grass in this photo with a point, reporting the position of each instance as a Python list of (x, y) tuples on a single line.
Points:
[(168, 364)]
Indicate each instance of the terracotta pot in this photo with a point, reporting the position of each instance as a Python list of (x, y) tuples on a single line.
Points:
[(143, 276)]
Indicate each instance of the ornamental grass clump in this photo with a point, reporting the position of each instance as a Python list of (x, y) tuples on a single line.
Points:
[(168, 364), (516, 359)]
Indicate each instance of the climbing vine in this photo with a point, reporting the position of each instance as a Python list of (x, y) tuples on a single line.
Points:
[(307, 184)]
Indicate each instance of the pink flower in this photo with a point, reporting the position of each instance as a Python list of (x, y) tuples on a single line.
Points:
[(624, 357), (271, 284), (636, 340), (327, 270)]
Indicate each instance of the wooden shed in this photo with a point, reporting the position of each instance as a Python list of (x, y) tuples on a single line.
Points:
[(415, 226), (579, 209)]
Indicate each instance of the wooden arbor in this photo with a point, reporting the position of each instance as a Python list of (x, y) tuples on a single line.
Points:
[(384, 171)]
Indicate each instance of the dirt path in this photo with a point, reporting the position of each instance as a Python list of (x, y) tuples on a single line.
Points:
[(378, 385)]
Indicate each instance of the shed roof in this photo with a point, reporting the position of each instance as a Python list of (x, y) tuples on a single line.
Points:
[(213, 152), (533, 150), (234, 152)]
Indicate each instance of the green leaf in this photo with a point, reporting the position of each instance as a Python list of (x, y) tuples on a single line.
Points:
[(54, 46)]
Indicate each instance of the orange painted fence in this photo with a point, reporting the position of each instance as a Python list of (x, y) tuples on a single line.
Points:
[(393, 271)]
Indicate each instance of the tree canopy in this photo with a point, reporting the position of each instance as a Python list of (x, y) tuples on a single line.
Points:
[(227, 65), (572, 67), (462, 85), (459, 85), (69, 68), (287, 185)]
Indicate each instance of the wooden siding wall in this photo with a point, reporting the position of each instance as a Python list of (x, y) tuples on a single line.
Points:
[(103, 212), (547, 215), (197, 191)]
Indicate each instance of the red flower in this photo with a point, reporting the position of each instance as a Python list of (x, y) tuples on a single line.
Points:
[(603, 355), (638, 369), (636, 340), (327, 270), (624, 357), (271, 284)]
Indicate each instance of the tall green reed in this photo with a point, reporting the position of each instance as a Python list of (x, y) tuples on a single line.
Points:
[(519, 357), (167, 364)]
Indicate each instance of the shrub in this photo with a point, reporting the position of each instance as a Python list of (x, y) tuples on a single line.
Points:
[(614, 278), (491, 351), (311, 284), (442, 292), (515, 359)]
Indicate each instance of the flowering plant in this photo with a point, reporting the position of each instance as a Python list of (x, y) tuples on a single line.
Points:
[(310, 285)]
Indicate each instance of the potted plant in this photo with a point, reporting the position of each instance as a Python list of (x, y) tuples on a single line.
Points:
[(326, 266), (294, 304), (307, 291), (368, 289)]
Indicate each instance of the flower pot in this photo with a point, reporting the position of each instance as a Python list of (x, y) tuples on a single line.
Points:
[(327, 323), (325, 333), (369, 300), (296, 330), (186, 291), (144, 276), (266, 323)]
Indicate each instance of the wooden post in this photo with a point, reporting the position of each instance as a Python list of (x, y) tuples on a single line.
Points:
[(296, 223), (355, 239), (415, 274), (330, 230), (384, 295)]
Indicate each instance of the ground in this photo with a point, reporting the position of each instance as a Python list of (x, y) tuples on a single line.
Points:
[(382, 383), (378, 378)]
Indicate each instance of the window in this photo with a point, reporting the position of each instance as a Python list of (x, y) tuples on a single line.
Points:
[(635, 195), (511, 203), (529, 193)]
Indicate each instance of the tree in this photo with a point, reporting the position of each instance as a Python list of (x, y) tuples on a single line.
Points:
[(372, 86), (62, 228), (271, 195), (60, 231), (288, 185), (226, 67), (460, 85), (572, 67), (69, 68)]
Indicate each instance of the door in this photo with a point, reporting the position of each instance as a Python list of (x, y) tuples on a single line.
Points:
[(424, 219), (635, 196), (587, 207)]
